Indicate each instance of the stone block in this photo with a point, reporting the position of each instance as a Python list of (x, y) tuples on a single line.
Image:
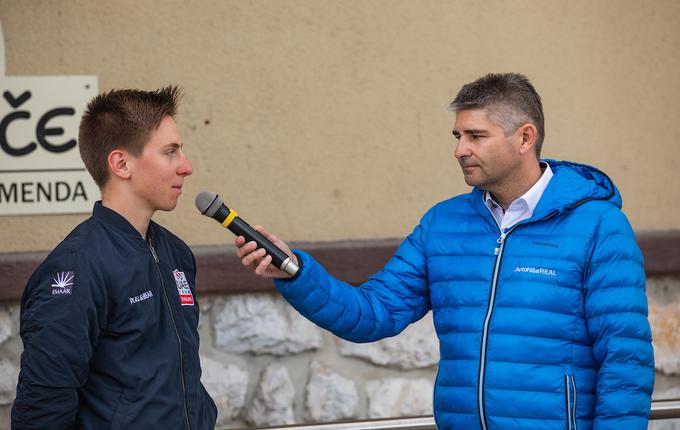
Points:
[(664, 318), (9, 375), (261, 324), (329, 395), (399, 397), (273, 402), (227, 385), (7, 327)]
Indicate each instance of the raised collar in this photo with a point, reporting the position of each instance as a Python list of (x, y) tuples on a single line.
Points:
[(112, 218)]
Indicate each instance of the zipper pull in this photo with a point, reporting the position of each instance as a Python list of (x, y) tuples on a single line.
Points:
[(153, 252), (501, 238), (499, 241)]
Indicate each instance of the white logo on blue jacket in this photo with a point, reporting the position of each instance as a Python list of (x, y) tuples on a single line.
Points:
[(537, 270)]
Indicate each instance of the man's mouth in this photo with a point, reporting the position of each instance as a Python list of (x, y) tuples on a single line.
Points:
[(468, 166)]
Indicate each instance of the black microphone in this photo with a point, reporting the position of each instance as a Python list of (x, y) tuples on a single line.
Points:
[(210, 204)]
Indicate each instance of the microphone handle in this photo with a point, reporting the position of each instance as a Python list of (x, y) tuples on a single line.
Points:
[(242, 228)]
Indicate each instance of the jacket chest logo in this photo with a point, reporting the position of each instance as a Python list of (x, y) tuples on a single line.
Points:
[(185, 296), (536, 270)]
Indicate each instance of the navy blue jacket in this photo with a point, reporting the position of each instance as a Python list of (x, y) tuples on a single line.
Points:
[(109, 326), (541, 327)]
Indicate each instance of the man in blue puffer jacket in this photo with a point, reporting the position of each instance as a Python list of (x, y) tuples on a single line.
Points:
[(534, 279)]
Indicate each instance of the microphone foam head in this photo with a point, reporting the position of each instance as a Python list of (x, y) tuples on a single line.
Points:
[(208, 203)]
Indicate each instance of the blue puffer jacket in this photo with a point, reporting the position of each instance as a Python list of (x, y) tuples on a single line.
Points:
[(542, 327)]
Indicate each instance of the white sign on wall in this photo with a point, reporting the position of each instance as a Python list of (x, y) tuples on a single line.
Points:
[(40, 167)]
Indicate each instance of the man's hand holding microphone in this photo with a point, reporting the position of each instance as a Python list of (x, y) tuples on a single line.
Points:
[(261, 252), (257, 260)]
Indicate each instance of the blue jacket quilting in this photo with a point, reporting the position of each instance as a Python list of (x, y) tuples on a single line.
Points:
[(543, 327)]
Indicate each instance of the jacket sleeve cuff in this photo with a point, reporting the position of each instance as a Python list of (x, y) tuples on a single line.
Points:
[(300, 266), (296, 285)]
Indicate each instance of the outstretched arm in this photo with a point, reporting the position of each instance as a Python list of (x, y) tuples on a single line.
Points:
[(383, 306)]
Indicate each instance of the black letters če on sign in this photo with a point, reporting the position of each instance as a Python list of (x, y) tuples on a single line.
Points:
[(42, 130)]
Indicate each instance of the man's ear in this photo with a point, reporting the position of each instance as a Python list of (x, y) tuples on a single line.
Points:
[(118, 163), (527, 134)]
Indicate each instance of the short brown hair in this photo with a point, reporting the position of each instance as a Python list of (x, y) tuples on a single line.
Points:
[(511, 100), (122, 119)]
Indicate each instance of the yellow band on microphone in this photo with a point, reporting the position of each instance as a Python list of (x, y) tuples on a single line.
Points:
[(230, 218)]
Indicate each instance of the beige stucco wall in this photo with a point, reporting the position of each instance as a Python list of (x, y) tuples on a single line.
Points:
[(326, 120)]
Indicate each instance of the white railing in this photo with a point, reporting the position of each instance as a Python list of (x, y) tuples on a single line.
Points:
[(661, 409)]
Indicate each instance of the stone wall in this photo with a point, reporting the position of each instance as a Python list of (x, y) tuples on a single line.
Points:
[(289, 371), (265, 365)]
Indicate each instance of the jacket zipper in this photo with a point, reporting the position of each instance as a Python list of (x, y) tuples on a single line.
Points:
[(498, 252), (179, 341), (570, 388)]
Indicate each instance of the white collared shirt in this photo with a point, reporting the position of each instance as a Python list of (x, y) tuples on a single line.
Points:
[(523, 207)]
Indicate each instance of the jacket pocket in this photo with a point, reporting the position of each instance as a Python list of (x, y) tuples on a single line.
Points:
[(570, 401)]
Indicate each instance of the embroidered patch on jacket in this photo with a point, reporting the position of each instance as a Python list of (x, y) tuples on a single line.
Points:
[(62, 282), (185, 296)]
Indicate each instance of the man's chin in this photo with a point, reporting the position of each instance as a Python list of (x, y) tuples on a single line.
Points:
[(168, 206), (471, 181)]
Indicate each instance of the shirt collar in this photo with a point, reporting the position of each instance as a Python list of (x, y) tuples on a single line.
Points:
[(531, 197)]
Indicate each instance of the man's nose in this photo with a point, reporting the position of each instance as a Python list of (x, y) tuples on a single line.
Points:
[(461, 150), (185, 168)]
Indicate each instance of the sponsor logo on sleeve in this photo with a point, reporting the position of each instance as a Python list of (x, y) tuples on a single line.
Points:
[(63, 282), (185, 296)]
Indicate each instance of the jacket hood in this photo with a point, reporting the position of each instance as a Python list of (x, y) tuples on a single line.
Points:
[(574, 184)]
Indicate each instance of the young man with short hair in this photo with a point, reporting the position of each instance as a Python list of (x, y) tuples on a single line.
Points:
[(109, 319)]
